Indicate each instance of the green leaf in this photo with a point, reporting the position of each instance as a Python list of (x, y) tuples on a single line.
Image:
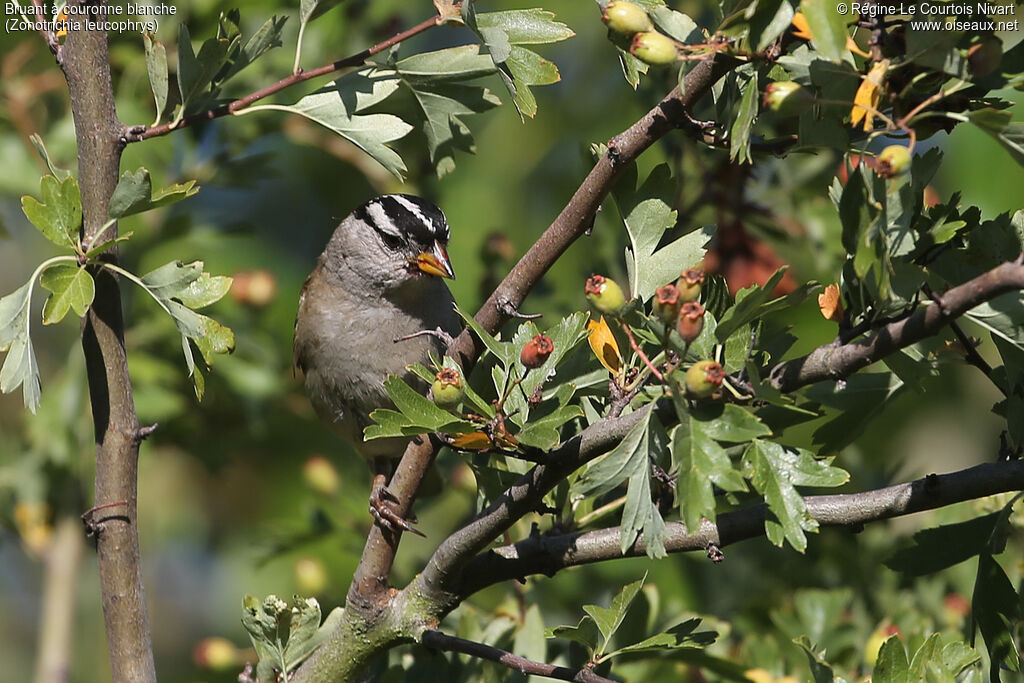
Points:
[(20, 367), (775, 471), (526, 26), (171, 279), (754, 302), (828, 28), (56, 171), (585, 633), (999, 124), (415, 414), (944, 546), (729, 422), (996, 611), (676, 25), (204, 290), (443, 103), (59, 215), (608, 619), (768, 21), (891, 665), (71, 287), (134, 194), (680, 636), (647, 215), (746, 114), (196, 72), (311, 9), (156, 66), (821, 671), (266, 38), (701, 464), (544, 432), (335, 107), (267, 625)]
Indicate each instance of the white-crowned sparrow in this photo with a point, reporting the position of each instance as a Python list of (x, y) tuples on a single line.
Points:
[(375, 287)]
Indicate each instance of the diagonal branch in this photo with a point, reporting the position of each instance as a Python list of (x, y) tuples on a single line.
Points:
[(550, 554), (836, 361), (575, 219), (442, 641)]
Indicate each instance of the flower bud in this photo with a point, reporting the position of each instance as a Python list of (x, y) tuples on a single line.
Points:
[(787, 98), (654, 48), (605, 294), (666, 304), (447, 388), (894, 160), (691, 321), (689, 284), (626, 18), (536, 351), (703, 378)]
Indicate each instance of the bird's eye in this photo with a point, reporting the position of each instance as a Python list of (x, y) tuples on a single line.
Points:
[(391, 241)]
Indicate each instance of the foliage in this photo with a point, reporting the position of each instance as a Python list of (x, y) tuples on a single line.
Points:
[(712, 195)]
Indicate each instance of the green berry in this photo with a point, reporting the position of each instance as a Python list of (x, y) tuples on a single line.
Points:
[(604, 294), (689, 284), (654, 48), (447, 388), (626, 18), (666, 304), (894, 160), (704, 378), (787, 98)]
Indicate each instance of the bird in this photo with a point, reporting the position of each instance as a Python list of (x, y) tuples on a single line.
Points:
[(375, 303)]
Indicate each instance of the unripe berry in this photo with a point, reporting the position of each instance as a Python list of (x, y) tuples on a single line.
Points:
[(626, 18), (689, 284), (536, 351), (447, 388), (654, 48), (666, 304), (691, 321), (703, 378), (788, 98), (310, 575), (217, 654), (321, 476), (894, 160), (604, 294)]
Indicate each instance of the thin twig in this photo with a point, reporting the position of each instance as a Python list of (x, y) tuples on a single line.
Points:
[(299, 76), (442, 641), (640, 352)]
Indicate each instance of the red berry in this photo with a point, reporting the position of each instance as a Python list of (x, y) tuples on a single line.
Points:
[(691, 321), (536, 351)]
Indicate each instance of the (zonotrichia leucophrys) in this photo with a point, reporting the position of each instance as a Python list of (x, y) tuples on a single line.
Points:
[(376, 286)]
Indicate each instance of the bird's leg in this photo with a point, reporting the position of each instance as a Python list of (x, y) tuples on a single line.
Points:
[(382, 501), (436, 332)]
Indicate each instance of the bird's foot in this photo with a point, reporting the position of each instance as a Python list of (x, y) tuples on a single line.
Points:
[(446, 338), (382, 507)]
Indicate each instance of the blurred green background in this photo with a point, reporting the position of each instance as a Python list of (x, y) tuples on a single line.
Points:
[(224, 507)]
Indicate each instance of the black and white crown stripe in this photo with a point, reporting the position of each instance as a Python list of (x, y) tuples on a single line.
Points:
[(405, 216)]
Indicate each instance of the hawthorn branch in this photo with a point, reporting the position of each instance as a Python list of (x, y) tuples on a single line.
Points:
[(837, 361), (85, 61), (441, 641), (575, 219), (139, 133), (550, 554)]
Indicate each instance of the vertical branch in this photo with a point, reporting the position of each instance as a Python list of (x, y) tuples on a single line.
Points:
[(63, 562), (98, 132)]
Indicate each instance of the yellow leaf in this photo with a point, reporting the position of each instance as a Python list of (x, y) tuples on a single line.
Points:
[(474, 441), (803, 29), (604, 346), (853, 47), (865, 102), (831, 303)]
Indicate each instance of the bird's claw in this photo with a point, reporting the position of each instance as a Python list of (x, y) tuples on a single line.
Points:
[(382, 507)]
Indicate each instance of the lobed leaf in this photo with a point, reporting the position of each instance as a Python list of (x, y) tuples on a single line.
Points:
[(70, 287), (59, 215)]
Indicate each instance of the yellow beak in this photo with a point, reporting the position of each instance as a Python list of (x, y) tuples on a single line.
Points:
[(435, 262)]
